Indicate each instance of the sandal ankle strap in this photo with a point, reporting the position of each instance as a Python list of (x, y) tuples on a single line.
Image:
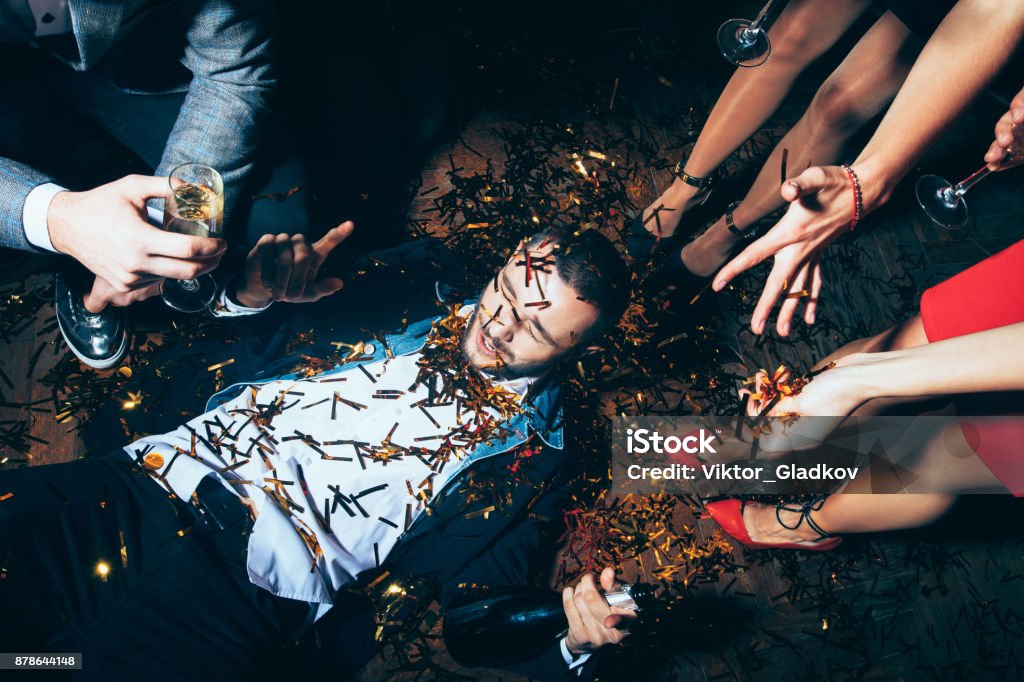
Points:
[(730, 224), (692, 180), (805, 515)]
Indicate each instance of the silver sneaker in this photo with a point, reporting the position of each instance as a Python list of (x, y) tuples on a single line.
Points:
[(98, 339)]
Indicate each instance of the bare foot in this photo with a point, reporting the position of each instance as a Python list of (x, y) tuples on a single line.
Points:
[(762, 526)]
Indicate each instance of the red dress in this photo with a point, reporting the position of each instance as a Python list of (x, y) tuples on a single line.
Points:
[(985, 296)]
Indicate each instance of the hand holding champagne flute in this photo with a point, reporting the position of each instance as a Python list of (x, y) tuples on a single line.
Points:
[(194, 206)]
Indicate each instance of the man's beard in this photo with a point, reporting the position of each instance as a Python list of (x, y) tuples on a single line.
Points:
[(506, 369)]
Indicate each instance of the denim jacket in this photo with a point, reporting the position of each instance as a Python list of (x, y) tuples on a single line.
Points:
[(543, 415)]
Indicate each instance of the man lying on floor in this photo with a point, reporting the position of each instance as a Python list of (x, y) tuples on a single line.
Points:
[(199, 553)]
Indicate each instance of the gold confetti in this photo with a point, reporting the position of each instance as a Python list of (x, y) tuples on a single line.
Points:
[(219, 365), (153, 461)]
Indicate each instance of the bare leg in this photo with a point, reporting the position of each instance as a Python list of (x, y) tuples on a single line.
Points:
[(907, 334), (857, 91), (801, 34)]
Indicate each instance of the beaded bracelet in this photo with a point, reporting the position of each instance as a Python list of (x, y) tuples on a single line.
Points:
[(858, 199)]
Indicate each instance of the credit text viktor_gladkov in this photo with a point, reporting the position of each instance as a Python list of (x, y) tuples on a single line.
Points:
[(701, 442)]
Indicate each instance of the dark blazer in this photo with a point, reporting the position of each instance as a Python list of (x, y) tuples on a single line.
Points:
[(512, 546)]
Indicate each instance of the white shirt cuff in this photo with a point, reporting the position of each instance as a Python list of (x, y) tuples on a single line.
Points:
[(225, 307), (567, 656), (34, 213)]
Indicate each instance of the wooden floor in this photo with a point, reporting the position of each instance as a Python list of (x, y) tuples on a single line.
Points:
[(943, 603)]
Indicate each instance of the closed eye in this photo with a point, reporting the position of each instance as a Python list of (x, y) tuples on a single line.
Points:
[(535, 331)]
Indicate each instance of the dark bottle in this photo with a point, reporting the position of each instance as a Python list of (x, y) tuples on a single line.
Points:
[(501, 626)]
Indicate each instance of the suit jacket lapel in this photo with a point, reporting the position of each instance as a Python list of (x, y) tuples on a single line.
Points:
[(96, 25), (463, 530)]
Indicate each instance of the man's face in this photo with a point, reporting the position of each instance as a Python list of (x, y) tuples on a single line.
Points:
[(510, 338)]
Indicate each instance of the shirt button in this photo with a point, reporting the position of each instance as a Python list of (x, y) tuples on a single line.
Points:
[(369, 349)]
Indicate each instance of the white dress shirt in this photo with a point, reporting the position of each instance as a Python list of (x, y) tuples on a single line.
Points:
[(344, 494), (34, 215), (332, 432)]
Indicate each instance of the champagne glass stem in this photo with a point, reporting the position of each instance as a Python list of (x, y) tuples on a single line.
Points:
[(755, 25), (970, 181)]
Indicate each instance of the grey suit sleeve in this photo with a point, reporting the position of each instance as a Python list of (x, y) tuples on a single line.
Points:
[(231, 56), (16, 181)]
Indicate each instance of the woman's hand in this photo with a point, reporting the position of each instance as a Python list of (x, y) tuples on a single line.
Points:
[(821, 208), (821, 406), (1007, 150), (284, 268)]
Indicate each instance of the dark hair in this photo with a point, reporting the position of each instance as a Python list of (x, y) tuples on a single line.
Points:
[(590, 264)]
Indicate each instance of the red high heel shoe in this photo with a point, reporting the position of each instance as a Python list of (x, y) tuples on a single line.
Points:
[(729, 515)]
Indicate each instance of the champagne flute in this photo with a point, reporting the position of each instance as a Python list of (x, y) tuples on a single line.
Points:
[(744, 42), (195, 206), (944, 202)]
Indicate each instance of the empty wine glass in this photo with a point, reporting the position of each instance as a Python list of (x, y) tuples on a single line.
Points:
[(744, 42), (944, 202)]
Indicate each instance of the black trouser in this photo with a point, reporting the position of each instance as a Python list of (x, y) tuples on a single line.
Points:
[(172, 607)]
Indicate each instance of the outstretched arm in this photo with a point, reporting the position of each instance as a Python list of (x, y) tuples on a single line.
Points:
[(221, 123), (965, 52), (983, 362)]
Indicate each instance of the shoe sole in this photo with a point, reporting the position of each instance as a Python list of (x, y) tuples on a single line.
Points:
[(96, 364)]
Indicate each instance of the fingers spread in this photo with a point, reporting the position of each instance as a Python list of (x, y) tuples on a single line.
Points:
[(748, 258), (811, 181), (774, 240), (325, 287), (333, 238), (790, 191), (810, 314), (301, 262), (774, 286), (283, 263), (792, 298), (259, 265)]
